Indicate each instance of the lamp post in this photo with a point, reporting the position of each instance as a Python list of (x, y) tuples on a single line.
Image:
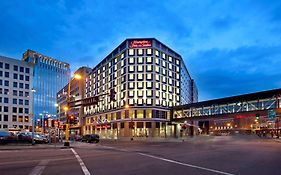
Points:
[(78, 77), (32, 115)]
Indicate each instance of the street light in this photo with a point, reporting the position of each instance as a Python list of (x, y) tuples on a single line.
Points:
[(127, 107), (66, 108), (32, 115)]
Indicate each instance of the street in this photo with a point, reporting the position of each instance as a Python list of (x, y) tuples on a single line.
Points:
[(202, 155)]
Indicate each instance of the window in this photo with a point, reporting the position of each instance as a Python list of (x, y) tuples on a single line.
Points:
[(140, 52), (21, 77), (140, 59), (15, 101), (140, 93), (131, 52), (26, 94), (131, 76), (20, 85), (164, 63), (26, 86), (1, 65), (157, 77), (148, 60), (148, 52), (26, 119), (6, 100), (21, 93), (6, 83), (170, 66), (6, 118), (157, 53), (157, 69), (6, 91), (6, 109), (21, 110), (21, 69), (157, 86), (27, 70), (140, 85), (16, 68), (14, 119), (131, 85), (148, 68), (149, 93), (15, 84), (170, 59), (20, 119), (140, 68), (148, 76), (149, 85), (20, 102), (163, 56), (157, 61), (131, 94), (7, 74), (15, 110), (15, 76), (26, 110), (131, 68), (26, 78), (131, 60), (1, 82), (140, 76), (15, 93), (7, 66)]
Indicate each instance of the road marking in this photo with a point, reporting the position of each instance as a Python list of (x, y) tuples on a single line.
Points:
[(38, 170), (185, 164), (84, 168)]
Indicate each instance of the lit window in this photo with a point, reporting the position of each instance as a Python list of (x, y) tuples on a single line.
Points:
[(131, 101), (140, 85), (148, 60), (164, 79), (164, 87), (131, 68), (157, 77), (115, 75), (157, 53), (131, 60), (170, 97), (164, 64), (140, 76), (177, 90), (157, 69), (140, 93), (140, 59), (149, 52), (170, 59), (149, 102), (178, 76), (170, 81), (122, 55), (109, 64), (148, 76), (148, 68), (163, 56), (140, 68), (115, 60), (123, 63), (157, 61), (98, 71), (177, 62), (178, 98), (157, 102), (157, 85), (148, 84), (131, 85), (131, 52), (177, 68), (109, 71), (140, 51), (131, 76), (140, 101), (131, 93), (170, 74), (157, 94), (177, 83), (122, 71), (164, 71), (170, 66), (149, 93), (164, 95)]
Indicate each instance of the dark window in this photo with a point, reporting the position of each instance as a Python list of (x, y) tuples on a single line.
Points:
[(6, 83), (148, 124), (15, 92), (16, 76), (7, 66), (139, 124), (15, 84), (26, 102), (21, 110), (1, 82), (5, 126), (157, 124), (1, 73), (20, 85), (1, 65), (15, 101), (14, 118), (26, 78), (6, 100), (26, 94), (122, 125), (27, 70), (21, 77), (6, 109), (21, 93), (20, 102), (26, 110), (5, 118), (15, 110), (21, 69), (16, 68), (6, 91), (26, 86), (7, 74)]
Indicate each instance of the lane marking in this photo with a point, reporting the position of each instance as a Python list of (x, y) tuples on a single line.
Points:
[(38, 170), (83, 166), (185, 164)]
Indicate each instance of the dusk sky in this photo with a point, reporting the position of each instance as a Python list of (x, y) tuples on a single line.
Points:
[(229, 47)]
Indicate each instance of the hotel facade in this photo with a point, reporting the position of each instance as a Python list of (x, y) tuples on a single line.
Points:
[(148, 78)]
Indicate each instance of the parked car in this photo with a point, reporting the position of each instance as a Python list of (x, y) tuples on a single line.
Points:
[(27, 137), (90, 138), (6, 137)]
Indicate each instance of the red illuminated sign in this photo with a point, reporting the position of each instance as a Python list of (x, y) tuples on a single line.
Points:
[(140, 43), (103, 126)]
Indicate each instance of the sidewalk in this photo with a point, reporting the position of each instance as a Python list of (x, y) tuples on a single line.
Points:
[(36, 146)]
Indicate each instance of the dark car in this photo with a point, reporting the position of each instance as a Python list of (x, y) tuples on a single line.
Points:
[(90, 138), (6, 137)]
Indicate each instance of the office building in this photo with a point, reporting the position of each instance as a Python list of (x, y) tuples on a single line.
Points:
[(77, 92), (50, 75), (16, 94), (148, 78)]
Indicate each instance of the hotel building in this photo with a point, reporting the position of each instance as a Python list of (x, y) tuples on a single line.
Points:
[(148, 78), (16, 96)]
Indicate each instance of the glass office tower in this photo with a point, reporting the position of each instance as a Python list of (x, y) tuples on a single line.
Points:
[(50, 75)]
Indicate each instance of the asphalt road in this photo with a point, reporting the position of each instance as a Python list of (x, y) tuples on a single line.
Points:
[(203, 156)]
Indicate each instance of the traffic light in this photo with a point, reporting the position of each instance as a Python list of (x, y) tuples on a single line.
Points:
[(71, 119), (257, 116), (112, 95), (45, 122)]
